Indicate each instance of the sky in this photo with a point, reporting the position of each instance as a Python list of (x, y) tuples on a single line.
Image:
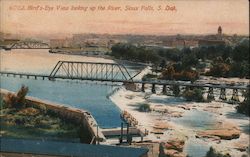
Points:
[(188, 17)]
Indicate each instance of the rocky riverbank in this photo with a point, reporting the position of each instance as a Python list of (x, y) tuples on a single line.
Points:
[(214, 124)]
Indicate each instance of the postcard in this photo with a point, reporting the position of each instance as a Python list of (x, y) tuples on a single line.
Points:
[(124, 78)]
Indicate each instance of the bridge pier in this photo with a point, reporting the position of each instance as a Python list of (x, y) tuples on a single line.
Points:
[(235, 96), (164, 89), (223, 94), (245, 96), (43, 77), (153, 88), (143, 87), (210, 95), (28, 76), (176, 90), (20, 76)]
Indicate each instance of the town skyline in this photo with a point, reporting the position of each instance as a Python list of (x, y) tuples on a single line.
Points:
[(196, 18)]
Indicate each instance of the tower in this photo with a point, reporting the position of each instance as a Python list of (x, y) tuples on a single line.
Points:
[(219, 35), (219, 31)]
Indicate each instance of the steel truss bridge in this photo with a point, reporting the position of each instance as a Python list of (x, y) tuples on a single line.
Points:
[(27, 45), (113, 72), (90, 71)]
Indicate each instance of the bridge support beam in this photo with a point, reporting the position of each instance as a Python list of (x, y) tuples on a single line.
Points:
[(176, 90), (223, 94), (246, 93), (210, 95), (143, 87), (235, 96), (153, 88), (164, 89)]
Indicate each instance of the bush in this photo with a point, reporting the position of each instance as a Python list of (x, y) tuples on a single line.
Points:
[(219, 70), (144, 108), (170, 73), (149, 76), (195, 94), (16, 100)]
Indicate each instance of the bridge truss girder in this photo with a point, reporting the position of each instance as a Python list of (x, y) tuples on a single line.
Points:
[(29, 44), (90, 71)]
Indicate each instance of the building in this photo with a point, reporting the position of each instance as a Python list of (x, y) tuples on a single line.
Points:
[(213, 40), (59, 43)]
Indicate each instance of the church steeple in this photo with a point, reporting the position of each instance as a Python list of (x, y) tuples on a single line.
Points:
[(220, 31)]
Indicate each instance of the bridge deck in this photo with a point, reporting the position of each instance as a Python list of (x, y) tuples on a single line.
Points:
[(169, 83)]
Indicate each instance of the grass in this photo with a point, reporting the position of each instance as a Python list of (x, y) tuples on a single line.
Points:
[(14, 123)]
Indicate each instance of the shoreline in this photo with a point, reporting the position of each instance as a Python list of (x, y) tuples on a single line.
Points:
[(180, 111)]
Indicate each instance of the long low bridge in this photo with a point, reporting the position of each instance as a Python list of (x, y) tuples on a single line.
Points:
[(26, 45), (113, 72), (152, 82)]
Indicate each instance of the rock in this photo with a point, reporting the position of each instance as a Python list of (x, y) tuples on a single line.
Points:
[(225, 131), (174, 153), (162, 125), (172, 148), (241, 147), (175, 144), (157, 131), (184, 107), (176, 114), (129, 97)]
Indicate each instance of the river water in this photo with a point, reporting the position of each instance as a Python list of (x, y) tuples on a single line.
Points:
[(90, 96)]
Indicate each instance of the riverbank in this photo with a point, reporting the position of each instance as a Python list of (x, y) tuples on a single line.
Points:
[(174, 117), (40, 113)]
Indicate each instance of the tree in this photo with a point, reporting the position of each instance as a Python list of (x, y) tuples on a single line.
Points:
[(144, 108), (195, 94), (219, 69), (241, 51), (16, 100), (168, 73), (189, 59), (163, 64)]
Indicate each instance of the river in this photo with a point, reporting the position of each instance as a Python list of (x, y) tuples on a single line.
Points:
[(90, 96)]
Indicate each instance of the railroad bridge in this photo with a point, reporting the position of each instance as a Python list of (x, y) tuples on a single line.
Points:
[(113, 72), (90, 71), (27, 45)]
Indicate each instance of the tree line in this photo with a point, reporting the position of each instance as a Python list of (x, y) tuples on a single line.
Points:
[(225, 60)]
